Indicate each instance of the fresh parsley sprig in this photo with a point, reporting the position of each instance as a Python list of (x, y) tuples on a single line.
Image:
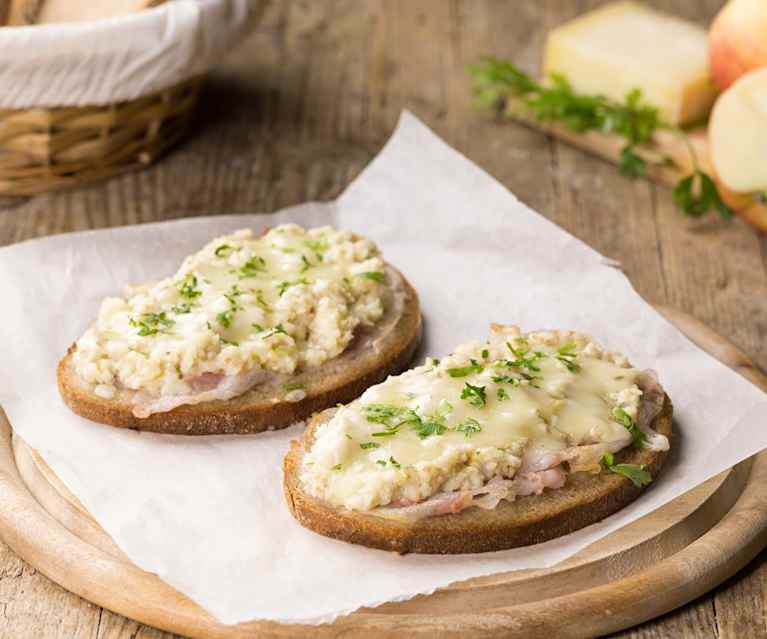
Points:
[(496, 80), (635, 472)]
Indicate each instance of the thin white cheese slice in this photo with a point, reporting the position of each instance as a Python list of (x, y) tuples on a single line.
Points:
[(626, 45)]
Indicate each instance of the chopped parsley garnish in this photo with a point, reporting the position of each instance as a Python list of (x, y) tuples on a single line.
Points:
[(474, 394), (435, 361), (258, 327), (188, 287), (231, 297), (506, 379), (428, 427), (567, 355), (284, 286), (181, 309), (636, 122), (228, 342), (336, 467), (638, 438), (392, 417), (381, 462), (394, 462), (524, 358), (305, 264), (152, 323), (293, 387), (433, 424), (223, 250), (635, 472), (260, 300), (368, 445), (485, 353), (464, 371), (279, 329), (502, 394), (377, 276), (253, 267), (225, 318), (469, 427), (318, 246)]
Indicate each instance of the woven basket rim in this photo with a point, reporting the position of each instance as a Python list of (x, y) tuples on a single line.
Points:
[(100, 62)]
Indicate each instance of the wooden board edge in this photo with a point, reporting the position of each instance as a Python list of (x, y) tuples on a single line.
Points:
[(715, 556)]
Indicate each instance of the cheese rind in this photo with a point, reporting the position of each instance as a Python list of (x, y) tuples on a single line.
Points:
[(625, 45)]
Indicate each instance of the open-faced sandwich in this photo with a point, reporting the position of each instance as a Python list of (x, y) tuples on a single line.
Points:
[(251, 333), (505, 443)]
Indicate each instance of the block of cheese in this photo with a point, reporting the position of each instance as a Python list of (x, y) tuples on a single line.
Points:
[(624, 45)]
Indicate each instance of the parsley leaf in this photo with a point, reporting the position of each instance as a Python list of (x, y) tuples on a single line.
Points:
[(392, 417), (368, 445), (284, 286), (630, 164), (474, 394), (225, 318), (293, 386), (223, 250), (635, 472), (696, 194), (377, 276), (506, 379), (638, 438), (474, 367), (279, 329), (567, 355), (253, 267), (336, 467), (469, 427), (188, 287), (502, 394), (152, 323), (181, 309)]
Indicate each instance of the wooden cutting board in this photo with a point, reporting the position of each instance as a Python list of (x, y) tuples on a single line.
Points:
[(657, 563)]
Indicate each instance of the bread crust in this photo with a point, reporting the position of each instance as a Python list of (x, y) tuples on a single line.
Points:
[(374, 354), (585, 499)]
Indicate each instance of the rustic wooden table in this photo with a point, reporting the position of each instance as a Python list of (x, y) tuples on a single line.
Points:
[(295, 113)]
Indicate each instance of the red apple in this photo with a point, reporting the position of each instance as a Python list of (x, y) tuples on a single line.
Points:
[(738, 40)]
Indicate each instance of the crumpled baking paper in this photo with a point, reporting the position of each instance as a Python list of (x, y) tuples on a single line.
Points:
[(121, 58), (207, 514)]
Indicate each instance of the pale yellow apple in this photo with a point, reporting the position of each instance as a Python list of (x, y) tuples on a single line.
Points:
[(738, 134), (738, 40)]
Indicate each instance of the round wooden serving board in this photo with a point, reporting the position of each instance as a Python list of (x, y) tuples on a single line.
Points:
[(650, 567)]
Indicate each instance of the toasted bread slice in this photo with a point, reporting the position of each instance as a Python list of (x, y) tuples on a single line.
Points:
[(375, 353), (585, 499)]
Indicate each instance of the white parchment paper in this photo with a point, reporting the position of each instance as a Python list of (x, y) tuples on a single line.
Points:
[(207, 514)]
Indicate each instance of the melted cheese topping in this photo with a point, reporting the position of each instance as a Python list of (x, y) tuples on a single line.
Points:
[(457, 423), (287, 299)]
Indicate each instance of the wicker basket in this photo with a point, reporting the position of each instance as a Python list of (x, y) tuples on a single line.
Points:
[(49, 149)]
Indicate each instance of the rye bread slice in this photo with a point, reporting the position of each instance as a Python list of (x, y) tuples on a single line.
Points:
[(374, 354), (585, 499)]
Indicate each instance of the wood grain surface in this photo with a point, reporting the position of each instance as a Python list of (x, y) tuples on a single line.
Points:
[(297, 112)]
